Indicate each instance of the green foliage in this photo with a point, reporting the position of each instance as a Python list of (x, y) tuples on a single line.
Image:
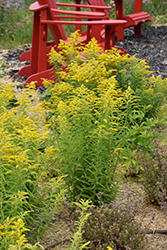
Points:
[(2, 66), (86, 147), (159, 7), (138, 135)]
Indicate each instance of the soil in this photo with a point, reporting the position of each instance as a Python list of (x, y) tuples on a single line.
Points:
[(152, 46)]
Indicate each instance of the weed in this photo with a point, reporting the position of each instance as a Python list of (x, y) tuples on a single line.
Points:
[(2, 67)]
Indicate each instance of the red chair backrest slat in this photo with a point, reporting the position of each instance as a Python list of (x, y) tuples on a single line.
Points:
[(57, 31)]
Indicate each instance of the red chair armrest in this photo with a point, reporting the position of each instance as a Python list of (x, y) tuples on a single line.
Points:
[(36, 6), (89, 23)]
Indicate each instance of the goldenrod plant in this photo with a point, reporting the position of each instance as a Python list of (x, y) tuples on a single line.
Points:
[(77, 64), (26, 160), (100, 102), (12, 234), (77, 241)]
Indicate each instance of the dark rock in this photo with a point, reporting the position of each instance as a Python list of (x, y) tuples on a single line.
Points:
[(15, 70), (164, 62), (151, 46)]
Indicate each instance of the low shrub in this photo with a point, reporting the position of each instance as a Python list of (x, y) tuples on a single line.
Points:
[(113, 225), (163, 192)]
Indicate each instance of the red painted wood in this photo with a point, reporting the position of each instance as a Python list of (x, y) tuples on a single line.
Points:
[(119, 9), (98, 3), (47, 16), (113, 23), (43, 32), (25, 56), (25, 71), (80, 13), (78, 5), (135, 19), (38, 77), (35, 39), (138, 6)]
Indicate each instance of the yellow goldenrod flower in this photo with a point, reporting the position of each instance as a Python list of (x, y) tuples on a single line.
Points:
[(117, 149), (8, 172)]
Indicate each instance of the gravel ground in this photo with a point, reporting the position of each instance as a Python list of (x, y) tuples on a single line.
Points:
[(152, 46)]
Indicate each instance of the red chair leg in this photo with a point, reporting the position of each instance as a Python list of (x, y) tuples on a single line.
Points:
[(25, 71), (109, 37), (38, 77), (138, 29), (120, 33)]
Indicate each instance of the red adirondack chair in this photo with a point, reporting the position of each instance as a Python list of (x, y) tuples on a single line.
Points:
[(135, 19), (46, 15)]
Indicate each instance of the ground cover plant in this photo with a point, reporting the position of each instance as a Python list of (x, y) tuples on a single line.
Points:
[(155, 175), (15, 23), (112, 225)]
